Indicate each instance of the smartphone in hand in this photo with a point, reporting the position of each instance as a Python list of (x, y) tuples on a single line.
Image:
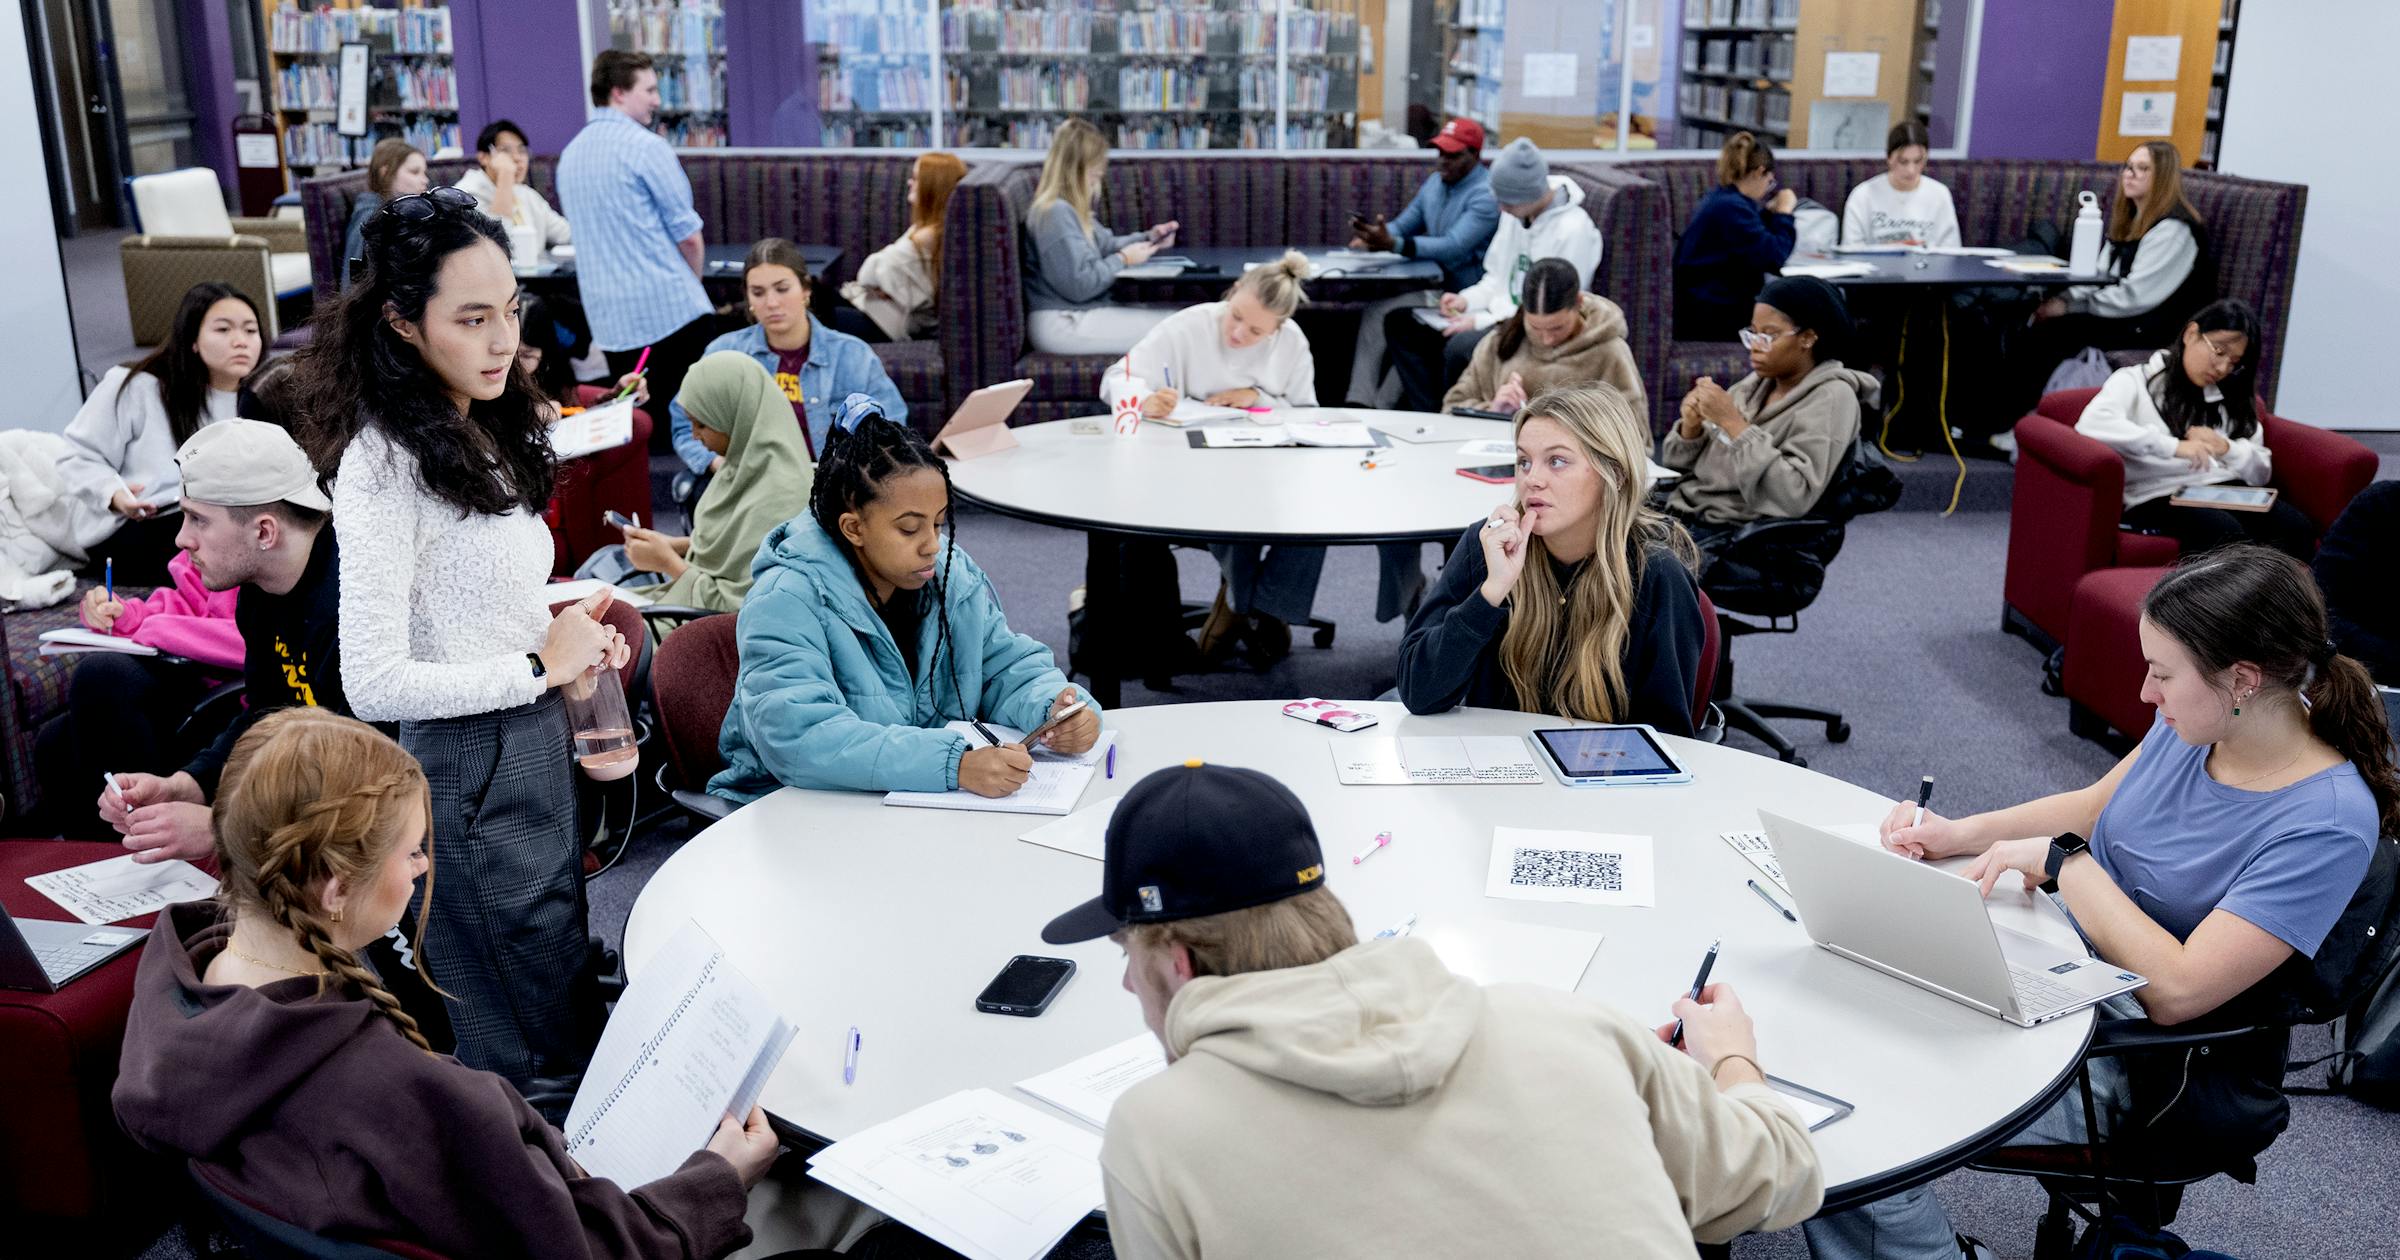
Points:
[(612, 517)]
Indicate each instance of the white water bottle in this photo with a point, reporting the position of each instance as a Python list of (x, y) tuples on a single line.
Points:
[(2083, 257)]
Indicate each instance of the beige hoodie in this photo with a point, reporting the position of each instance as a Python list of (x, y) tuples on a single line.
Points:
[(1782, 463), (1377, 1105), (1598, 353)]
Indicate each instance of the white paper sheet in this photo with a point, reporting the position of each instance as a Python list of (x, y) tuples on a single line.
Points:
[(70, 639), (584, 588), (1580, 866), (2146, 114), (1056, 784), (1812, 1112), (1499, 951), (1192, 411), (982, 1174), (1224, 436), (1083, 833), (1760, 852), (1549, 75), (1432, 759), (1851, 73), (1087, 1088), (691, 1041), (601, 428), (1490, 448), (112, 890), (1431, 317), (1829, 270), (2153, 58)]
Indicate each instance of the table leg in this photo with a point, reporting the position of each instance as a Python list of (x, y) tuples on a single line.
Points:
[(1097, 647)]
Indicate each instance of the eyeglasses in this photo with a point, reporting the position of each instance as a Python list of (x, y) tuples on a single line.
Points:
[(418, 207), (1755, 340), (2220, 353)]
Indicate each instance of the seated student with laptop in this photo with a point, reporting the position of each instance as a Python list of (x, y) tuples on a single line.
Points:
[(2242, 826), (1576, 598), (867, 630), (1330, 1097), (259, 1047)]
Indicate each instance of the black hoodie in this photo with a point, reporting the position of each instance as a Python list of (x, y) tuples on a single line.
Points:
[(314, 1107)]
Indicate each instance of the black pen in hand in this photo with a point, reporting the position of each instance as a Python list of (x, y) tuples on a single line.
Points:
[(1708, 962)]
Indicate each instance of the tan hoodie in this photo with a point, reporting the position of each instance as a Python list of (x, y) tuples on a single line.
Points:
[(1782, 463), (1377, 1105), (1598, 353)]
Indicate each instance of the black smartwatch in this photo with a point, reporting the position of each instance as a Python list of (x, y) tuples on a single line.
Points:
[(539, 670), (2061, 848), (1405, 246)]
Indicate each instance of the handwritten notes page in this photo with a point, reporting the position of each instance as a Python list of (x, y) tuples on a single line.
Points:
[(1056, 783), (115, 889), (692, 1041)]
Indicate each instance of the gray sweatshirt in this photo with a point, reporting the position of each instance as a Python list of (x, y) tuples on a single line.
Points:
[(1064, 268), (1782, 463)]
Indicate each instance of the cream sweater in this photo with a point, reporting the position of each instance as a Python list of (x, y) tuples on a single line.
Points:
[(2123, 417), (1377, 1105), (121, 437), (905, 309), (1187, 350)]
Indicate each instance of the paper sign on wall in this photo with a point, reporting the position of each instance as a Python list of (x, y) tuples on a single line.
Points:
[(1549, 75), (2153, 58), (1852, 73), (2147, 114), (350, 116), (1641, 37), (255, 150)]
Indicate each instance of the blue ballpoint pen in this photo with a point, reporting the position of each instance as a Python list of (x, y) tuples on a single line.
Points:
[(850, 1059)]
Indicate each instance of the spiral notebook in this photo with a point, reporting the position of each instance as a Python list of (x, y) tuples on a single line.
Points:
[(692, 1041)]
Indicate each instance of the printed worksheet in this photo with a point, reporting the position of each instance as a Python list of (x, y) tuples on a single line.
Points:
[(1087, 1088), (1436, 759), (980, 1173), (115, 889), (1582, 866)]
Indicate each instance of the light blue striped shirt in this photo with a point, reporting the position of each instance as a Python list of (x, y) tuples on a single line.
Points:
[(631, 203)]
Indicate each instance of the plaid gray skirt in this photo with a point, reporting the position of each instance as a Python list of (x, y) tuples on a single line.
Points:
[(507, 929)]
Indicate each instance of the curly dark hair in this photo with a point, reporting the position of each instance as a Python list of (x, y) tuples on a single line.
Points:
[(859, 457), (494, 458)]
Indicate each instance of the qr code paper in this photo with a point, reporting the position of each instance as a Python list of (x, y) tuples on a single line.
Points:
[(1568, 868)]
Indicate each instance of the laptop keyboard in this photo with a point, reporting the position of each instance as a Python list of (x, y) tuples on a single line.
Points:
[(60, 961), (2038, 994)]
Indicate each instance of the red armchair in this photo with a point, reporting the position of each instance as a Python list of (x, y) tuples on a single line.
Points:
[(617, 480), (2070, 492)]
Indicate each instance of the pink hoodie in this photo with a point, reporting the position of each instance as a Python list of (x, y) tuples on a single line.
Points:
[(187, 619)]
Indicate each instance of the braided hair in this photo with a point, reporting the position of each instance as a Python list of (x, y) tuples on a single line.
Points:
[(309, 796), (865, 450)]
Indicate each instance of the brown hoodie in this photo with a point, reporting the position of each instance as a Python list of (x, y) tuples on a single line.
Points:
[(1598, 353), (316, 1109), (1781, 464)]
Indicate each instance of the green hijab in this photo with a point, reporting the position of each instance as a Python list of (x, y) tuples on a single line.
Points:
[(764, 482)]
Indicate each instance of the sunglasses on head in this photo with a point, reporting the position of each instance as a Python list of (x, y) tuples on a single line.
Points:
[(418, 207)]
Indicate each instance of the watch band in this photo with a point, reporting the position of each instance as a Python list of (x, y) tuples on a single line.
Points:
[(539, 670), (2061, 848)]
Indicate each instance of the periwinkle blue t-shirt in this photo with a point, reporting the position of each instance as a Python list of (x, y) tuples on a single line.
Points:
[(2182, 844)]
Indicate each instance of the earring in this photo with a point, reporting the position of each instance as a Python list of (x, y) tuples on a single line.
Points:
[(336, 914), (2237, 704)]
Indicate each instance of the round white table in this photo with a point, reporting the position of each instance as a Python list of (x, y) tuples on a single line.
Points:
[(852, 913), (1135, 495)]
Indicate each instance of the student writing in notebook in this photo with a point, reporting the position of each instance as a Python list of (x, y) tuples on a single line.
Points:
[(2222, 850), (867, 630), (1414, 1112), (259, 1047)]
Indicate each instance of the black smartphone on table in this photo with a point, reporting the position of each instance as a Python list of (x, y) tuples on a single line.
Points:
[(1026, 986)]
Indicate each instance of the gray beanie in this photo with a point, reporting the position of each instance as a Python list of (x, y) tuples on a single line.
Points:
[(1520, 174)]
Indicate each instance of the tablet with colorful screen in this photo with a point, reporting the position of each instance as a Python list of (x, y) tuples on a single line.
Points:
[(1627, 755)]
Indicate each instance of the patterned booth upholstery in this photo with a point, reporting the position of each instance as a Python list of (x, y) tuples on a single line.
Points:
[(854, 200), (2253, 229)]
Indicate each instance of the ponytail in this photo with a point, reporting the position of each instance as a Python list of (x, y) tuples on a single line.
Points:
[(2346, 712), (1551, 285), (1277, 285), (1744, 155)]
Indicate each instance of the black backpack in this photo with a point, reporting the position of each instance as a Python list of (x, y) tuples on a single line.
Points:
[(2355, 979)]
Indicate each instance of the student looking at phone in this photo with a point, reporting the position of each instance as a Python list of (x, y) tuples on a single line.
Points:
[(735, 410), (1070, 259), (868, 630), (119, 472), (2223, 848), (1450, 222), (1560, 336), (2188, 417), (1387, 1079), (1575, 598)]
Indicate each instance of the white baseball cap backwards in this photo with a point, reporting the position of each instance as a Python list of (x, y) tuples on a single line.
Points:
[(237, 463)]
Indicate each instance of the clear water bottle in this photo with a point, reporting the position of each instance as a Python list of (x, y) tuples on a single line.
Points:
[(603, 727), (2083, 256)]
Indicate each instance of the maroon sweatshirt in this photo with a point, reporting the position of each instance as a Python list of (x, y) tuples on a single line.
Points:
[(316, 1109)]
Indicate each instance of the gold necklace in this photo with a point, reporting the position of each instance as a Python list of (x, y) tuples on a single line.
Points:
[(2295, 758), (245, 956)]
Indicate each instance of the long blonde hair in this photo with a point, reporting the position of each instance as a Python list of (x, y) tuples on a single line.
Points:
[(1565, 648), (2131, 221), (1077, 153), (1278, 285), (308, 795), (937, 174)]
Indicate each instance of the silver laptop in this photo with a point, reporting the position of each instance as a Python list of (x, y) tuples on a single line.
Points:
[(42, 955), (1924, 925)]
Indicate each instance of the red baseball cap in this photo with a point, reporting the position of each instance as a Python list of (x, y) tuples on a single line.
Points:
[(1459, 134)]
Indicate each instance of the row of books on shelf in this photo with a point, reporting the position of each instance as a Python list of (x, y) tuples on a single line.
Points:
[(1030, 87), (1167, 89), (666, 27), (318, 144), (873, 90), (693, 133), (1769, 56), (1491, 13), (693, 83), (1741, 106), (1478, 99), (1477, 54), (291, 29), (1313, 90), (314, 85), (1759, 15)]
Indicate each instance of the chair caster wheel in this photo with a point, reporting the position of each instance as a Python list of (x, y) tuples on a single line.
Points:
[(1793, 758), (1323, 638), (1837, 731)]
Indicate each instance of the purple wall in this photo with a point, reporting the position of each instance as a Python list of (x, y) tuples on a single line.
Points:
[(2038, 79), (1949, 71), (208, 84), (770, 75), (520, 60)]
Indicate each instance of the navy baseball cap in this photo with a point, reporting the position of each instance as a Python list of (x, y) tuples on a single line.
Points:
[(1196, 840)]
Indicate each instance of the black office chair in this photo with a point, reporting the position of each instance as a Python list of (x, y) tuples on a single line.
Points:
[(2202, 1124), (1772, 569)]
